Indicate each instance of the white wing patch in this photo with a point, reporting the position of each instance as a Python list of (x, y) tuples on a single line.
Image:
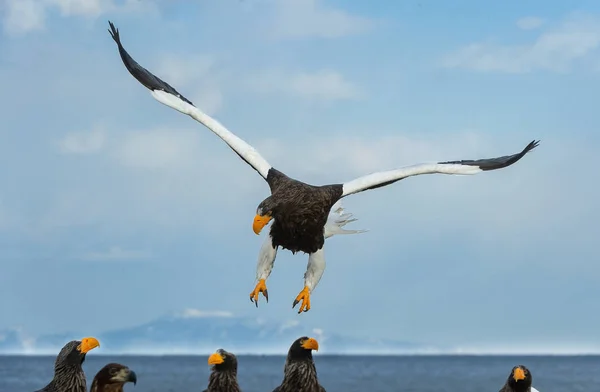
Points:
[(246, 151), (534, 390), (379, 178)]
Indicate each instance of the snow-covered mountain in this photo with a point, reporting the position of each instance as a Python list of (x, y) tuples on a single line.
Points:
[(197, 332)]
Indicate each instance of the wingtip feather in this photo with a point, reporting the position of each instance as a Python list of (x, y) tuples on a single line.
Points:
[(114, 32), (533, 144)]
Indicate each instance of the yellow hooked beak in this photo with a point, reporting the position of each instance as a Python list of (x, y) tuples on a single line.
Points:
[(310, 344), (88, 344), (260, 221), (519, 374), (215, 359)]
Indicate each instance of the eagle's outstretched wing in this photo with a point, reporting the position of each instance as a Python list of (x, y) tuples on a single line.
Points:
[(166, 94), (379, 179)]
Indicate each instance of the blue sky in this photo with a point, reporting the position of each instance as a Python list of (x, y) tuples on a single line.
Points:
[(115, 210)]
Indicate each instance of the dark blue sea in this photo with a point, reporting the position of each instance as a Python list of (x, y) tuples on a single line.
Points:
[(336, 373)]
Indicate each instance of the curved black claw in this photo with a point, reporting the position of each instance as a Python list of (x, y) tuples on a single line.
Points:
[(255, 294), (304, 297), (296, 302)]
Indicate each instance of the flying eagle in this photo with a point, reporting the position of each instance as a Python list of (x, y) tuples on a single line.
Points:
[(68, 373), (299, 212), (112, 378), (300, 373), (223, 375), (519, 380)]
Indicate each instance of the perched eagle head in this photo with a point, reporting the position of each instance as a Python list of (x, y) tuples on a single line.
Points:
[(223, 375), (302, 348), (520, 378), (222, 361), (113, 374), (74, 352)]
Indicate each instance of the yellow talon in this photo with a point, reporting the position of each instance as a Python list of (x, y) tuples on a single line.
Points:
[(304, 296), (261, 287)]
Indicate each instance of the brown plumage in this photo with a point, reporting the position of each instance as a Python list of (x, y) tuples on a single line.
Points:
[(300, 373), (300, 212), (223, 374), (519, 380), (112, 378)]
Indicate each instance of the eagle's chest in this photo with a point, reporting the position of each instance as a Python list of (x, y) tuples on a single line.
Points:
[(299, 231), (302, 378), (299, 220)]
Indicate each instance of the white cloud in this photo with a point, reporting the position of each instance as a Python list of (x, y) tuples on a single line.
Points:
[(196, 77), (351, 155), (319, 334), (116, 253), (197, 313), (530, 23), (347, 155), (83, 142), (288, 324), (326, 85), (80, 7), (310, 18), (554, 50), (158, 149), (22, 16), (173, 176)]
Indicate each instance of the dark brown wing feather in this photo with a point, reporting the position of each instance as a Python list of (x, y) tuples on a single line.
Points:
[(145, 77), (301, 215), (496, 163)]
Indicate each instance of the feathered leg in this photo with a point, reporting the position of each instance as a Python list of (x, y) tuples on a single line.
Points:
[(266, 260), (312, 276)]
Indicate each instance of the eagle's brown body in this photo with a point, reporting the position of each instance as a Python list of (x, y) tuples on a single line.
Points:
[(301, 212)]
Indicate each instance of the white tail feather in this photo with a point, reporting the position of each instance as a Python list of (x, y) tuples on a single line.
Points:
[(337, 219)]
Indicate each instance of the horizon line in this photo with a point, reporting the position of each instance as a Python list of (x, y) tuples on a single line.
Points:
[(441, 354)]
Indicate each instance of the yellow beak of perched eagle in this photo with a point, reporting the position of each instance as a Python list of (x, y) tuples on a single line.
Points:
[(260, 221), (310, 344), (87, 345), (215, 359), (519, 374)]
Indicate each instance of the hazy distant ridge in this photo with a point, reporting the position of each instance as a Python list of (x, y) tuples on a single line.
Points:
[(197, 332)]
